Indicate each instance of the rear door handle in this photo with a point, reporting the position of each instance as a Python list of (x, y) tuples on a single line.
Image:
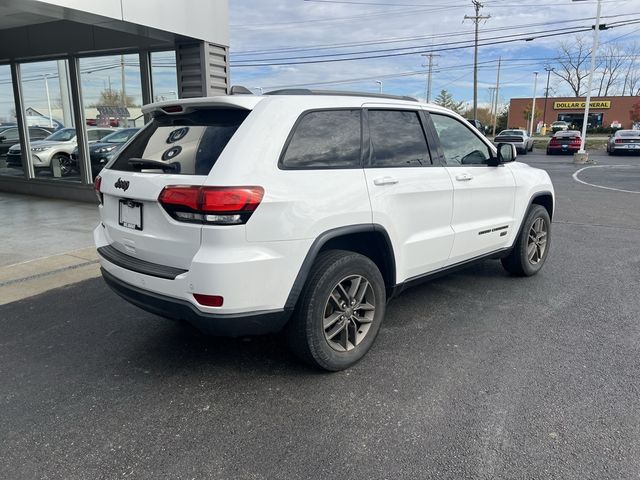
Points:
[(464, 177), (385, 181)]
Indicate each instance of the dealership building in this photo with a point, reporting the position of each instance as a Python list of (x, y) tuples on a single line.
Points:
[(82, 64), (603, 111)]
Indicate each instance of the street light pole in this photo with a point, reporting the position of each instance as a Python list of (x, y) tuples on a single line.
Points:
[(546, 94), (533, 104), (379, 85), (46, 87), (594, 51)]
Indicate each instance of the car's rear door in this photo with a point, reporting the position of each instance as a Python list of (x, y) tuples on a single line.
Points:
[(174, 149), (411, 197), (484, 196)]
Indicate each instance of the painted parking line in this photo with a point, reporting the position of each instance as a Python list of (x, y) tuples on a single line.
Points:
[(577, 179)]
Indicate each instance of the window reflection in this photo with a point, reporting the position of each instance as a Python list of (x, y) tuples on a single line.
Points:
[(326, 139), (397, 139)]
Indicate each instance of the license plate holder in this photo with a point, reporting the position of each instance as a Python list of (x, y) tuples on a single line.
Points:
[(130, 214)]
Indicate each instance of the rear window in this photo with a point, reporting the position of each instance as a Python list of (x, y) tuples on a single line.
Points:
[(190, 144), (628, 133)]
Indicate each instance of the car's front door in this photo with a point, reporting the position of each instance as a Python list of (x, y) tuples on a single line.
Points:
[(483, 204), (411, 197)]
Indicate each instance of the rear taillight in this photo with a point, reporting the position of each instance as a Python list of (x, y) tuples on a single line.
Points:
[(97, 183), (211, 205), (575, 140), (618, 140), (554, 140)]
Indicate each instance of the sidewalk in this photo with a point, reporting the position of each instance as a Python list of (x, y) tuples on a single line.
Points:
[(46, 244)]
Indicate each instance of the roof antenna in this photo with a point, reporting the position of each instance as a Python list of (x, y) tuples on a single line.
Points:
[(240, 90)]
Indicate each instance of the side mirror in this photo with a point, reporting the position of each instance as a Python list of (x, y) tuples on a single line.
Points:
[(506, 153)]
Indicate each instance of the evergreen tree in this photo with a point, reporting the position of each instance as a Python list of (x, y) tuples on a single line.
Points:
[(445, 99)]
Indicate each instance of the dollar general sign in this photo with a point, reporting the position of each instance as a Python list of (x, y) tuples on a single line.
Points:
[(580, 105)]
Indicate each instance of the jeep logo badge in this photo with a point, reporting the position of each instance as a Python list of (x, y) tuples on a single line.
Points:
[(123, 184)]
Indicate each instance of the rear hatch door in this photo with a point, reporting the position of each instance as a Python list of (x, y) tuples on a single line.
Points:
[(173, 149)]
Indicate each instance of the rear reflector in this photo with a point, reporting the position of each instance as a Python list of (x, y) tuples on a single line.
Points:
[(211, 205), (208, 300)]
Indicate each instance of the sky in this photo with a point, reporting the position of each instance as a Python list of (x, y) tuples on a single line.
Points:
[(262, 32), (285, 31)]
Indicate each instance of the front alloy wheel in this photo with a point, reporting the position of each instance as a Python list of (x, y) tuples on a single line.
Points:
[(531, 248)]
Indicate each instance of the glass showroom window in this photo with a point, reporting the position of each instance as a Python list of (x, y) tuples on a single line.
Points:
[(8, 127), (164, 76), (112, 98), (49, 117)]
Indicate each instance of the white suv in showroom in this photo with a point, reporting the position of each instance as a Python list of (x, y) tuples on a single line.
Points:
[(307, 211)]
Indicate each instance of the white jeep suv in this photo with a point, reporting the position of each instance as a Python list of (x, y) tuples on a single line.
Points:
[(308, 211)]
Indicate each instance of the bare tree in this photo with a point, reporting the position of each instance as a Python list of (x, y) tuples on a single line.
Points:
[(613, 59), (573, 61), (631, 85)]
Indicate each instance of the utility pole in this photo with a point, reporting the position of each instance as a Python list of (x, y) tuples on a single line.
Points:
[(124, 87), (548, 69), (492, 91), (427, 88), (476, 20), (495, 110), (533, 103)]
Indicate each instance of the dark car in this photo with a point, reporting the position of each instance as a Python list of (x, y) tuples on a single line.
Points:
[(101, 152), (567, 141), (624, 141), (9, 136)]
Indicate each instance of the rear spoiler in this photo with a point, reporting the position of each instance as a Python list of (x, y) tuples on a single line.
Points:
[(178, 107)]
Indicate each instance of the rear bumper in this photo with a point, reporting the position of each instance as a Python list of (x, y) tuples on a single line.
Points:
[(228, 325), (568, 149), (631, 148)]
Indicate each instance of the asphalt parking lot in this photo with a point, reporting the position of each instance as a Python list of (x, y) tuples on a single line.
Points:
[(474, 376)]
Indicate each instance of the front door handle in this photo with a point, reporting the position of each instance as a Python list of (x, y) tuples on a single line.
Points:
[(464, 177), (385, 181)]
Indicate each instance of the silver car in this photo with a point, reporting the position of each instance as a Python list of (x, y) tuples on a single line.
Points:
[(55, 149), (519, 138), (624, 141)]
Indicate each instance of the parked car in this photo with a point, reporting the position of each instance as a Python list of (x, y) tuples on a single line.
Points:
[(101, 152), (624, 141), (9, 136), (564, 142), (559, 126), (519, 138), (247, 214), (55, 149)]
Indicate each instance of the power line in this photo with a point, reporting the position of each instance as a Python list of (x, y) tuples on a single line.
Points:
[(498, 41)]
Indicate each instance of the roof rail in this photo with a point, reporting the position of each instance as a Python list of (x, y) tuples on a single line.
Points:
[(239, 90), (306, 91)]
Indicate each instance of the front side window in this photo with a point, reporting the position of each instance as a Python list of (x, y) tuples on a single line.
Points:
[(459, 144), (397, 139), (325, 139)]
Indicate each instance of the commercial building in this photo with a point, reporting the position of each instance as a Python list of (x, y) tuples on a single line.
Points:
[(603, 111), (76, 64)]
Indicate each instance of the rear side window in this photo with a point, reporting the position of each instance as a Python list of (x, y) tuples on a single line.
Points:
[(397, 139), (325, 139), (188, 144)]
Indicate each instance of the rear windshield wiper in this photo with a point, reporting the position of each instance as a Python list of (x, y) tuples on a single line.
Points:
[(146, 163)]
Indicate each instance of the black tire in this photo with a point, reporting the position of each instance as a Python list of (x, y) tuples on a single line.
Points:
[(518, 261), (549, 152), (531, 149), (524, 151), (306, 332)]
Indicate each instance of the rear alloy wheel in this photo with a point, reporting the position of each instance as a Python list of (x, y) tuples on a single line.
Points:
[(532, 245), (340, 311)]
